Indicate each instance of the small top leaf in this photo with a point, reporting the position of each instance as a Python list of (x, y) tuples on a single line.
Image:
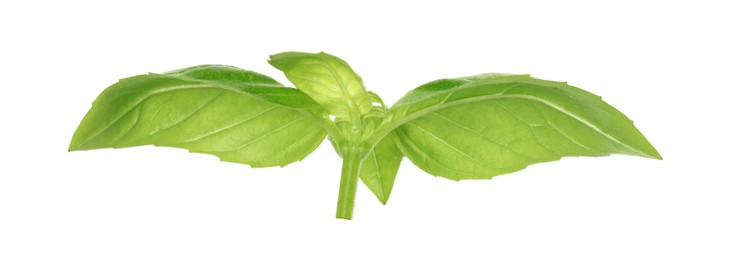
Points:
[(327, 79)]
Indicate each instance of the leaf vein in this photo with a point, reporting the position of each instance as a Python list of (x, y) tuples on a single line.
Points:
[(412, 145), (281, 153), (531, 126), (264, 135), (221, 129), (459, 124), (451, 146), (378, 173), (148, 94), (422, 112), (134, 123), (207, 103)]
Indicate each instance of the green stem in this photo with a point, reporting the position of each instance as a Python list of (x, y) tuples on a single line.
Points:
[(351, 163)]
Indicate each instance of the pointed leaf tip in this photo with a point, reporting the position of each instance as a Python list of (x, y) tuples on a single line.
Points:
[(445, 131), (327, 79)]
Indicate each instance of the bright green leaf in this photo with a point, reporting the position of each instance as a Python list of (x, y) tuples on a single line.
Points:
[(473, 127), (327, 79), (482, 126), (381, 166), (237, 115)]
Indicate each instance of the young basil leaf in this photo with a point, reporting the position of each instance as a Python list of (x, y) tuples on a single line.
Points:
[(381, 166), (237, 115), (481, 126), (327, 79)]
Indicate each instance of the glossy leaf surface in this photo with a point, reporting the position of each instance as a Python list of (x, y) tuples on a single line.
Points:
[(481, 126), (237, 115), (473, 127)]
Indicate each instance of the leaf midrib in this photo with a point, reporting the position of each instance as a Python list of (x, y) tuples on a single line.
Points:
[(202, 85), (425, 111), (343, 87)]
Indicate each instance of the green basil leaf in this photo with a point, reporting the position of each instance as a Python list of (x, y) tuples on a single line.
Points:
[(381, 166), (327, 79), (481, 126), (238, 115)]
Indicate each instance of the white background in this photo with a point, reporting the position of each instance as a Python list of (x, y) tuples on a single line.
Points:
[(664, 64)]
